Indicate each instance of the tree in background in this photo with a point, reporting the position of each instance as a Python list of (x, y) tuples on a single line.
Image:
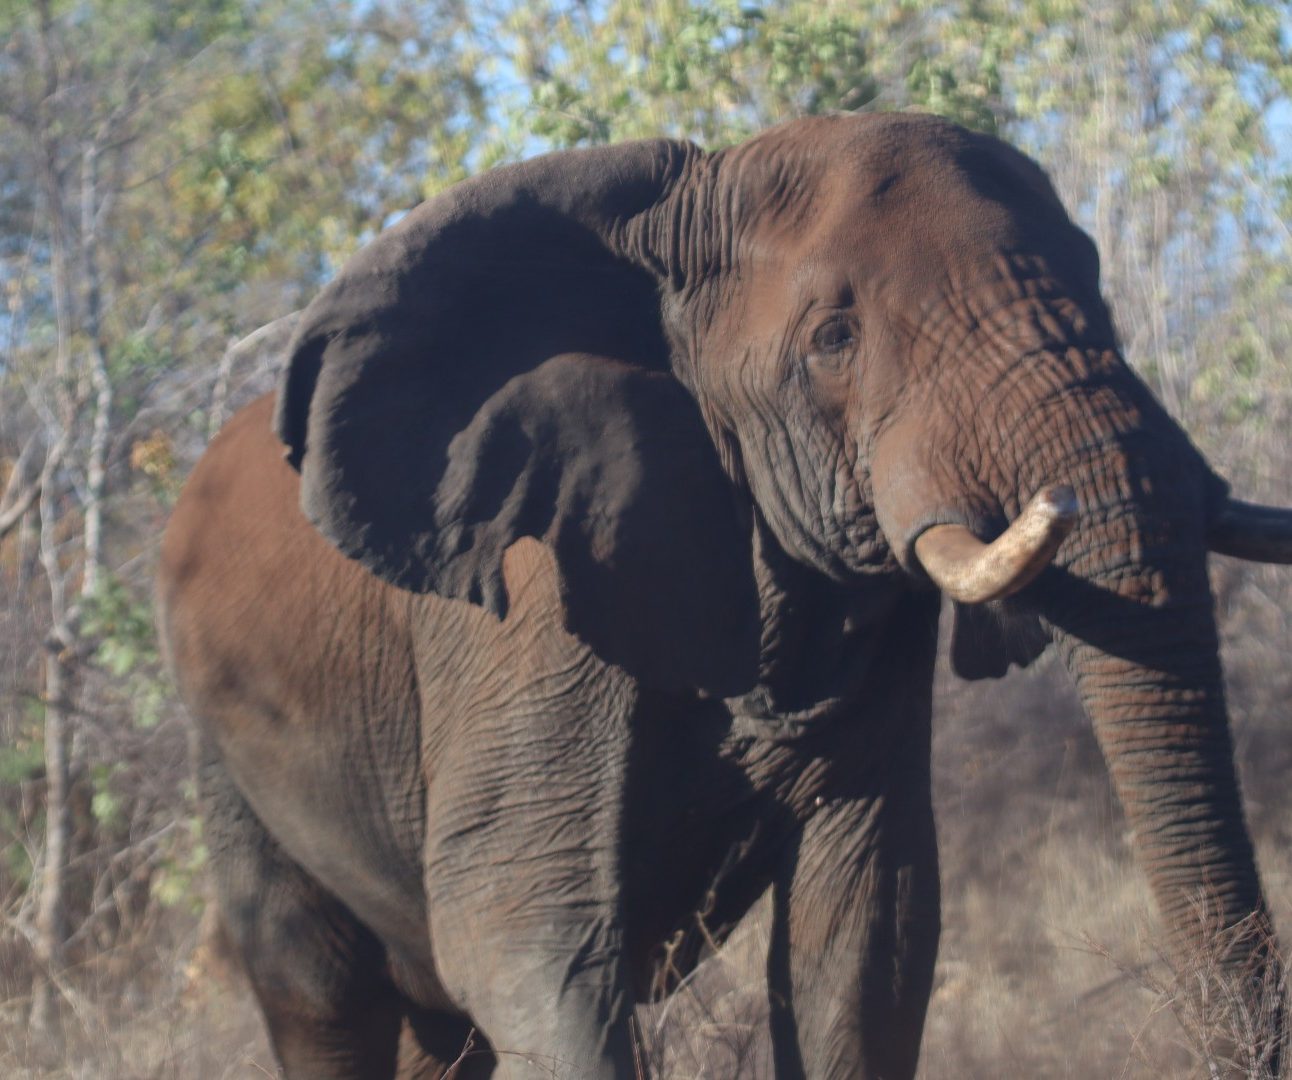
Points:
[(170, 174)]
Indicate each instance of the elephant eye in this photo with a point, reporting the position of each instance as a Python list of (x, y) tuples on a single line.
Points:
[(832, 344), (833, 336)]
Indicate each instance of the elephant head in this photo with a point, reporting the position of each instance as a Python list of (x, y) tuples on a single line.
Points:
[(882, 338)]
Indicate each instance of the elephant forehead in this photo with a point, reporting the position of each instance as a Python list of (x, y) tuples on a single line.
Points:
[(895, 194), (875, 155), (922, 206)]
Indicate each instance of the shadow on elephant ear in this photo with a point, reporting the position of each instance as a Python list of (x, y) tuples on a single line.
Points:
[(495, 366), (612, 467)]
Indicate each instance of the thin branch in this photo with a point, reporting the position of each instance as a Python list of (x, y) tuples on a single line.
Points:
[(96, 462), (268, 338), (111, 901), (26, 499)]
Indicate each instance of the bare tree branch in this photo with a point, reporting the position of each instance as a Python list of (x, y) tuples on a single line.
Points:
[(271, 338), (16, 503)]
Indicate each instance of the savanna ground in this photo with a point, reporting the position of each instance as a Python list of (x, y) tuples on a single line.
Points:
[(1050, 962)]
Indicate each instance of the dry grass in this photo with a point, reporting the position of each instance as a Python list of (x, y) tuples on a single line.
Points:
[(1051, 962), (1223, 1015), (145, 1020), (715, 1023)]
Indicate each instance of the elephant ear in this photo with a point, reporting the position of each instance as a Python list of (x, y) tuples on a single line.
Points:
[(986, 642), (494, 367)]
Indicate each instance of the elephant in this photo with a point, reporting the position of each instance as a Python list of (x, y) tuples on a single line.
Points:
[(581, 583)]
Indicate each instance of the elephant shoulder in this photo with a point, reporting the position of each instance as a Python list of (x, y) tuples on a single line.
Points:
[(248, 592)]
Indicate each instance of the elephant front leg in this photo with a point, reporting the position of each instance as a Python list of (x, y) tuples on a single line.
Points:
[(525, 911), (549, 1004), (854, 939), (524, 847)]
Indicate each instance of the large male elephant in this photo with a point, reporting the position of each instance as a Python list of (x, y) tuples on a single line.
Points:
[(599, 587)]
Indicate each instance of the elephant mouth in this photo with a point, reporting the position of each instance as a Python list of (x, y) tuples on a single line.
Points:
[(757, 715), (753, 716)]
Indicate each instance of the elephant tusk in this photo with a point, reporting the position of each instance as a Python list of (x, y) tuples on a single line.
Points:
[(972, 572), (1253, 532)]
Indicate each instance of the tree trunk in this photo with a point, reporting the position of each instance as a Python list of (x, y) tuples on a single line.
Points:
[(51, 911), (96, 465)]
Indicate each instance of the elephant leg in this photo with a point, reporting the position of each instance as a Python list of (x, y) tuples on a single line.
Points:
[(317, 973), (527, 932), (854, 939), (524, 856)]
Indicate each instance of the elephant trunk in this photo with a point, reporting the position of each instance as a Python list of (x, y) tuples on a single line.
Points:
[(1130, 607), (1151, 684)]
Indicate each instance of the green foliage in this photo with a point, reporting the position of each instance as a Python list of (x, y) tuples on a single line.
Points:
[(121, 625), (135, 354), (22, 763), (15, 860), (105, 804), (937, 86), (177, 880), (713, 71), (23, 758), (335, 116)]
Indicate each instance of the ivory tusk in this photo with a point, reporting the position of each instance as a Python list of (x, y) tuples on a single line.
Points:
[(972, 572), (1250, 531)]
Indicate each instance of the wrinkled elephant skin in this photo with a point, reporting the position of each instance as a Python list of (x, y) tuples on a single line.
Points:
[(583, 576)]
